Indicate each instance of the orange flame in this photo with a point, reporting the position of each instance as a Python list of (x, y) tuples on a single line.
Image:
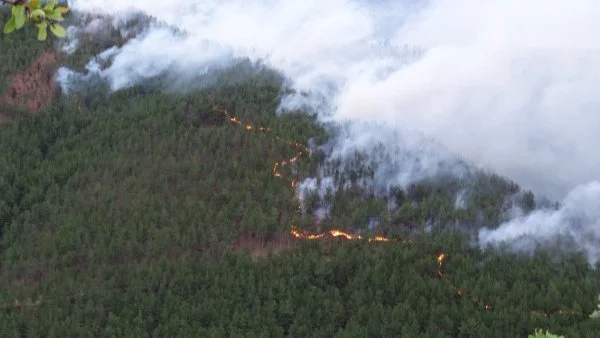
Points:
[(335, 233), (301, 235), (379, 239), (339, 233), (441, 259)]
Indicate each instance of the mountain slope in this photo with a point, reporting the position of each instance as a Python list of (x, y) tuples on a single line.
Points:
[(122, 214)]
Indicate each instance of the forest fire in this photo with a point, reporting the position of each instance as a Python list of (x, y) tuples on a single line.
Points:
[(440, 259), (336, 233), (302, 235), (303, 150), (380, 239)]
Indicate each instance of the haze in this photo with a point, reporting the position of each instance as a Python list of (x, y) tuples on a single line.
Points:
[(508, 85)]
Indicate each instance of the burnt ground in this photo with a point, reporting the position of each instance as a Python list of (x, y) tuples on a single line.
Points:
[(33, 88)]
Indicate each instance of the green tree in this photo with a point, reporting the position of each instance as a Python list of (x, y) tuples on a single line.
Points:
[(596, 313), (528, 201), (42, 15)]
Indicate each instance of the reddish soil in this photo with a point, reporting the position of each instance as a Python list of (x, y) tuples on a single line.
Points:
[(34, 87)]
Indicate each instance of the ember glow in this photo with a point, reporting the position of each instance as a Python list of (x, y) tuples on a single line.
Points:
[(441, 259), (336, 234), (302, 150)]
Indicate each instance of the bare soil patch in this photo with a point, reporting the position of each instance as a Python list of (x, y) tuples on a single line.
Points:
[(34, 87)]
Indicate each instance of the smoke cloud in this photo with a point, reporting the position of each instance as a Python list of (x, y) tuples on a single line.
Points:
[(506, 85), (577, 219)]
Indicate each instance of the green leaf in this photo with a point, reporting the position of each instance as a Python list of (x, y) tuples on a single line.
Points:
[(42, 33), (50, 5), (19, 16), (56, 16), (62, 10), (10, 25), (58, 30)]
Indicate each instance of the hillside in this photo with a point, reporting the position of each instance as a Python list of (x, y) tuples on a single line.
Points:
[(147, 212)]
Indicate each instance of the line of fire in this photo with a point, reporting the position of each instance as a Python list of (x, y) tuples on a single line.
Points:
[(302, 150)]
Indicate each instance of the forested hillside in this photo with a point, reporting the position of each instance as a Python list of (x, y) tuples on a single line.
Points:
[(147, 212)]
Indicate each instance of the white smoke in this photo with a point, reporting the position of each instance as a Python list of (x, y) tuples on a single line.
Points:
[(460, 202), (578, 218), (509, 85), (393, 157)]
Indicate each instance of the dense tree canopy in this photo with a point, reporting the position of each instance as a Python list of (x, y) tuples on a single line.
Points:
[(149, 213)]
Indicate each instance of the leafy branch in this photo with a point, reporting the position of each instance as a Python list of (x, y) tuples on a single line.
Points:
[(43, 16), (596, 313), (541, 334)]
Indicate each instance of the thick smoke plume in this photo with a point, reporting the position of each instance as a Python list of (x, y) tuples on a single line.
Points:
[(507, 85)]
